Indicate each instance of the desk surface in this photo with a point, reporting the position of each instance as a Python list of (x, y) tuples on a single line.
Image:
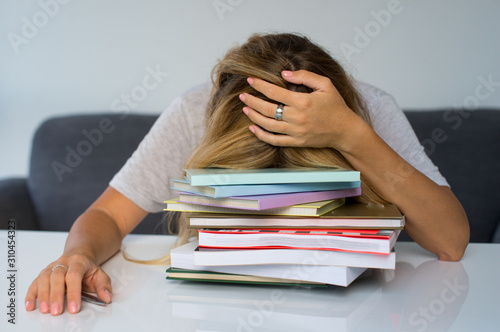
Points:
[(422, 294)]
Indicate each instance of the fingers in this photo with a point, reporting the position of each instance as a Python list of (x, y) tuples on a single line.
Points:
[(30, 299), (103, 286), (263, 107), (43, 287), (74, 288), (268, 124), (270, 138), (57, 289), (57, 280), (309, 79), (272, 91)]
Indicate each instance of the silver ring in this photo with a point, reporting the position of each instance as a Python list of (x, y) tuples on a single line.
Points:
[(279, 112), (59, 265)]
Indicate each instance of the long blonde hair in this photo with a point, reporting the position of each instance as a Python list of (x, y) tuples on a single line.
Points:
[(229, 144)]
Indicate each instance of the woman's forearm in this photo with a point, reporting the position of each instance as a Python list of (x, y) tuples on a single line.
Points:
[(94, 234), (98, 232), (434, 217)]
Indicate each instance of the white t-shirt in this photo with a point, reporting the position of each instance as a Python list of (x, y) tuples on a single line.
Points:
[(146, 177)]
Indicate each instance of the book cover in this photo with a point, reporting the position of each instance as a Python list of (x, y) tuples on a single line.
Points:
[(260, 189), (296, 239), (265, 202), (183, 258), (218, 176), (216, 257), (308, 209), (207, 276), (349, 215)]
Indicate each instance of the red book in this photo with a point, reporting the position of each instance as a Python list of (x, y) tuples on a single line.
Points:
[(378, 242)]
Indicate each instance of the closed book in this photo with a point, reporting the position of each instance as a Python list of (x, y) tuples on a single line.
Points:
[(297, 239), (219, 176), (209, 276), (349, 215), (265, 202), (308, 209), (260, 189), (183, 258), (216, 257)]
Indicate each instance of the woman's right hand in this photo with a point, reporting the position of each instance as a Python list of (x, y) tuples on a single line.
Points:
[(69, 274)]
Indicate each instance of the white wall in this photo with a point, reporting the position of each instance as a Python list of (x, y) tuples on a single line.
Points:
[(86, 54)]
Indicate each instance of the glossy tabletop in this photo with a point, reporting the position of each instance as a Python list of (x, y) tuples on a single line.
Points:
[(422, 294)]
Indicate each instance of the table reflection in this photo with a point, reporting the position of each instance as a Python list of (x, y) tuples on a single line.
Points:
[(423, 298)]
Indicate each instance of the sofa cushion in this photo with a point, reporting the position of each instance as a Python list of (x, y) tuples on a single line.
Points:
[(74, 157), (465, 145)]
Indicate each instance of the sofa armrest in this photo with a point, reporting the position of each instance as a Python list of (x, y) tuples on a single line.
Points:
[(496, 235), (15, 203)]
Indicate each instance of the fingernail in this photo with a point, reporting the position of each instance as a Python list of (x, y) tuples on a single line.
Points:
[(108, 296), (73, 307), (252, 129), (242, 97), (27, 304), (250, 80), (245, 110), (44, 307), (54, 309), (287, 73)]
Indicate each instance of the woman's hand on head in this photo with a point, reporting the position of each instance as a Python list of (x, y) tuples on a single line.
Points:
[(69, 275), (317, 119)]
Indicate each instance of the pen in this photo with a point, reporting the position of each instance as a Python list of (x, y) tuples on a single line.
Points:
[(92, 299)]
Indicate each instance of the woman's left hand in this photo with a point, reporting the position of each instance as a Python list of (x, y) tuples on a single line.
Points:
[(317, 119)]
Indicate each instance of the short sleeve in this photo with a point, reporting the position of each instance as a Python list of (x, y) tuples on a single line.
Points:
[(146, 177), (390, 123)]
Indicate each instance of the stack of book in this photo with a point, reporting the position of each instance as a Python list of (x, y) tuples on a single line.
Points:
[(281, 226)]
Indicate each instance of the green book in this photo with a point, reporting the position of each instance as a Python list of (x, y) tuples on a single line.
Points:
[(239, 176), (208, 276)]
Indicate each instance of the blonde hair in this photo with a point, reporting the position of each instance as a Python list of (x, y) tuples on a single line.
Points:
[(229, 144)]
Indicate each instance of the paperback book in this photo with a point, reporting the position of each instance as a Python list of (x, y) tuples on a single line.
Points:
[(298, 239), (266, 202), (260, 189), (309, 209), (219, 257), (349, 215), (183, 258), (220, 176)]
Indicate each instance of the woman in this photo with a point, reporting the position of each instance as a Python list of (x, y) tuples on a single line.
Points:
[(278, 101)]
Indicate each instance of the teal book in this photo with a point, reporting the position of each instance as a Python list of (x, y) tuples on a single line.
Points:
[(260, 189), (220, 176)]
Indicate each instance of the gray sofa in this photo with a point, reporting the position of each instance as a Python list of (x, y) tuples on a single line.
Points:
[(74, 157)]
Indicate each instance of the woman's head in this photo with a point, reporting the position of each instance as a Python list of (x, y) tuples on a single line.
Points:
[(229, 144)]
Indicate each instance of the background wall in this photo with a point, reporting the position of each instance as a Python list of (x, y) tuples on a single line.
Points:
[(61, 56)]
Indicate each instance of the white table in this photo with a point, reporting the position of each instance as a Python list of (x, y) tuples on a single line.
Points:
[(422, 294)]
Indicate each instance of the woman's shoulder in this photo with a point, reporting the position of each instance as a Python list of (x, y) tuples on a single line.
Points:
[(197, 97), (370, 93), (379, 103)]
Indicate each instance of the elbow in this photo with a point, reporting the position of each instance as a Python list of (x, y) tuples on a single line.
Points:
[(451, 255), (455, 249)]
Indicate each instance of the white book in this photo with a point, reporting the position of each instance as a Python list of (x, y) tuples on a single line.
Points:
[(183, 258), (218, 257)]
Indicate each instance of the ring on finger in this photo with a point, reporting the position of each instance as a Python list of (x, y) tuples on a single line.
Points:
[(59, 265), (279, 112)]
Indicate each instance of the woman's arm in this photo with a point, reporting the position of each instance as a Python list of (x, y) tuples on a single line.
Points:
[(435, 218), (94, 237)]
